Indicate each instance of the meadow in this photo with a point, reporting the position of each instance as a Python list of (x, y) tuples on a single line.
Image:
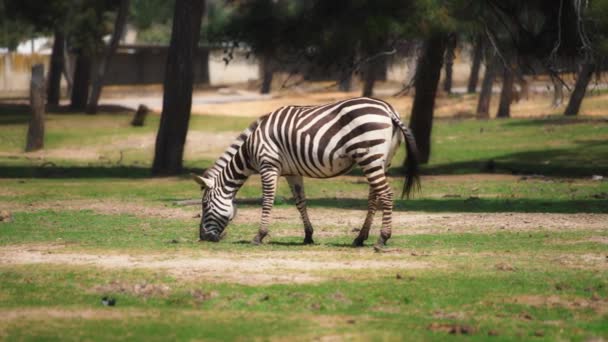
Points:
[(506, 240)]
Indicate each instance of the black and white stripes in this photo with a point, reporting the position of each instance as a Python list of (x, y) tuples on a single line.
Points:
[(310, 141)]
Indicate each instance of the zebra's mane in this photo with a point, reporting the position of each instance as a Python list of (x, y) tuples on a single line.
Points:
[(229, 153)]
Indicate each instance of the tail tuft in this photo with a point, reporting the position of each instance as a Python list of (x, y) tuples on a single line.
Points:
[(412, 163)]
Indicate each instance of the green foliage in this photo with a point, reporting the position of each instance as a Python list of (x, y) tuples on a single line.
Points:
[(597, 13), (146, 13), (153, 19), (25, 19)]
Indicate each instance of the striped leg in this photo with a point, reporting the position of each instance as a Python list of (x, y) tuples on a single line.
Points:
[(269, 187), (296, 183), (385, 200), (372, 205), (373, 168)]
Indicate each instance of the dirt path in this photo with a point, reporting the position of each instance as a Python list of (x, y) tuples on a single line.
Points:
[(251, 268), (328, 223)]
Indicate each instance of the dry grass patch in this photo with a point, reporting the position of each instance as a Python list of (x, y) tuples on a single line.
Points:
[(251, 269), (597, 304)]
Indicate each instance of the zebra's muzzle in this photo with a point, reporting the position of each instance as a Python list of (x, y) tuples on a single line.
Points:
[(204, 236)]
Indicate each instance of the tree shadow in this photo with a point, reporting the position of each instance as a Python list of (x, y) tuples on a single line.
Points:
[(287, 243), (52, 171), (343, 244), (19, 112), (586, 159), (473, 205), (556, 121)]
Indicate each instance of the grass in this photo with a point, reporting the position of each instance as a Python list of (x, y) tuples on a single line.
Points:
[(533, 281)]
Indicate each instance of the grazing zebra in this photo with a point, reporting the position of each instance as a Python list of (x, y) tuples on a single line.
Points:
[(313, 141)]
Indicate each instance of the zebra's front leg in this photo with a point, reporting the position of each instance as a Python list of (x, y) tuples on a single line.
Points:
[(296, 183), (372, 204), (269, 186)]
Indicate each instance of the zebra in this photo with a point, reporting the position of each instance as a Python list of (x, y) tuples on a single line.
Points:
[(310, 141)]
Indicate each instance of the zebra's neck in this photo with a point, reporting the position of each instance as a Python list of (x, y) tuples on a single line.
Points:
[(232, 168)]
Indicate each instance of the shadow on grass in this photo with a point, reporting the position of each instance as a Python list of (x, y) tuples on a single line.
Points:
[(588, 158), (20, 112), (474, 205), (557, 121), (49, 170)]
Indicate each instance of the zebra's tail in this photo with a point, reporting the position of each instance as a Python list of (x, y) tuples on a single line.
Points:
[(412, 169)]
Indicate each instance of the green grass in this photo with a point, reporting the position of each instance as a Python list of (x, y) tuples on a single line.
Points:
[(461, 282), (385, 308)]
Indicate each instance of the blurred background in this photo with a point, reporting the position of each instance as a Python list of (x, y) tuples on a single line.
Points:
[(113, 60)]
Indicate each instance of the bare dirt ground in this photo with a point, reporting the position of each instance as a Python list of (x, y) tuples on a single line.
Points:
[(597, 304), (250, 268), (404, 223), (198, 145), (235, 101)]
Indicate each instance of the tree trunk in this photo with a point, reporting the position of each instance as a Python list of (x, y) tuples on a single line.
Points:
[(82, 79), (345, 81), (475, 64), (267, 71), (580, 88), (35, 131), (524, 85), (68, 71), (506, 94), (177, 88), (56, 66), (140, 116), (483, 106), (426, 83), (558, 92), (449, 62), (371, 70), (102, 64)]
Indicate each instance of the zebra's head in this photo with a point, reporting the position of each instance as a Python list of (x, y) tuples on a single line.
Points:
[(217, 211)]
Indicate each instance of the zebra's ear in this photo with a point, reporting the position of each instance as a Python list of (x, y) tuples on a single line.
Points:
[(202, 181)]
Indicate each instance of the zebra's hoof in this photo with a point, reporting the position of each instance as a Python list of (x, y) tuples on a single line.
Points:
[(381, 244), (358, 243), (309, 241), (256, 241)]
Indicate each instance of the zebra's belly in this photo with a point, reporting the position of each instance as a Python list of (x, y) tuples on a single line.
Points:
[(338, 167)]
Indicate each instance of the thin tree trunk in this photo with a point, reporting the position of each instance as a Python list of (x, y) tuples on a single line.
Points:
[(368, 82), (371, 71), (449, 62), (267, 73), (426, 83), (558, 92), (345, 81), (102, 65), (35, 131), (82, 79), (177, 88), (580, 88), (68, 72), (483, 106), (506, 93), (475, 65), (56, 67)]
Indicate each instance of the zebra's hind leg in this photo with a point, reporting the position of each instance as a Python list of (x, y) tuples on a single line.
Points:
[(372, 205), (296, 183), (385, 200), (373, 167), (269, 186)]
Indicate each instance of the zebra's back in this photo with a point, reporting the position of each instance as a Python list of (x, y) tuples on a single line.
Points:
[(325, 141)]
